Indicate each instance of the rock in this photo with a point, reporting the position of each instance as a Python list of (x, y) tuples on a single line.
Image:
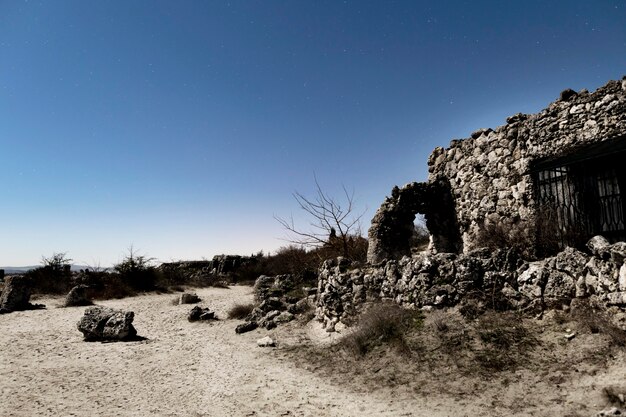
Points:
[(622, 278), (199, 314), (618, 252), (599, 246), (532, 280), (78, 297), (246, 327), (570, 336), (266, 342), (16, 294), (560, 288), (104, 323), (614, 411), (616, 299), (188, 298), (284, 317)]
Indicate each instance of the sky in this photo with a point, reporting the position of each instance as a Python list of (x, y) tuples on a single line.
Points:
[(183, 128)]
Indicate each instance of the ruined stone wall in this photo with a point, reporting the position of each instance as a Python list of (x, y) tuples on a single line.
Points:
[(489, 173), (494, 279), (486, 180)]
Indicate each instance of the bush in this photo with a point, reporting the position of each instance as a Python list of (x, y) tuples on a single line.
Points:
[(381, 323), (240, 311), (594, 319), (137, 271), (518, 235), (505, 340), (111, 286), (54, 277)]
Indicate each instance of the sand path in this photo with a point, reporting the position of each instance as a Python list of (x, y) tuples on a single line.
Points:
[(182, 369)]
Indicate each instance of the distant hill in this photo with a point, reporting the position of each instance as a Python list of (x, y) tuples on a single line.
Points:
[(8, 270)]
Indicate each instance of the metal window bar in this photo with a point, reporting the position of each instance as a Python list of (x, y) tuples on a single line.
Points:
[(576, 202)]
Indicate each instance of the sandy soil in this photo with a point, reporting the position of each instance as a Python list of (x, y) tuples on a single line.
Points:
[(202, 369)]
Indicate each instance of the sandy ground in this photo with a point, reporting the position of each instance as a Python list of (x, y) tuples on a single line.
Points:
[(193, 369), (182, 369)]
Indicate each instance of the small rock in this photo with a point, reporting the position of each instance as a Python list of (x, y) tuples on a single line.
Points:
[(599, 246), (78, 297), (266, 342), (198, 313), (570, 336), (246, 327), (567, 95), (284, 317), (614, 411), (188, 298)]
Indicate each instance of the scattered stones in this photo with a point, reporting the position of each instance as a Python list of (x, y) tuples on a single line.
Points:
[(78, 297), (200, 314), (277, 303), (266, 342), (104, 323), (188, 298)]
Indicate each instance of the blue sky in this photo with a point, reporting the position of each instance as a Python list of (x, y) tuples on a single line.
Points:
[(182, 128)]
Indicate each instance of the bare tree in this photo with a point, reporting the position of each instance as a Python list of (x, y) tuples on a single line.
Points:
[(334, 224)]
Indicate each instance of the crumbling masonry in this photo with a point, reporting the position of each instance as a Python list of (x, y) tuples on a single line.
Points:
[(547, 182), (557, 168)]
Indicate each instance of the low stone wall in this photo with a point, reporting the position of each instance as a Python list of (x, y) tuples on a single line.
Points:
[(500, 276)]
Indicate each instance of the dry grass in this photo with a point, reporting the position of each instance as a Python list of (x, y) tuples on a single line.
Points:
[(384, 323), (593, 319), (240, 311), (504, 341)]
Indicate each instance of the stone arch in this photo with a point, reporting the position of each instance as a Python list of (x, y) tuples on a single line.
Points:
[(392, 226)]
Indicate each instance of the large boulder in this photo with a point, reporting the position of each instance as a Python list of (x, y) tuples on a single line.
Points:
[(78, 297), (16, 294), (104, 323)]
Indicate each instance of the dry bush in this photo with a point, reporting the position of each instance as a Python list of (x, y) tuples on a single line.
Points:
[(471, 308), (383, 323), (517, 235), (615, 395), (505, 341), (111, 286), (240, 311), (595, 320)]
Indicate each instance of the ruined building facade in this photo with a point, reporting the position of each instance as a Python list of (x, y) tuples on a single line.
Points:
[(554, 178)]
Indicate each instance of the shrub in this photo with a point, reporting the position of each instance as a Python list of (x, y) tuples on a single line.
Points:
[(594, 319), (137, 271), (240, 311), (384, 323), (54, 277), (505, 340), (111, 286), (518, 235)]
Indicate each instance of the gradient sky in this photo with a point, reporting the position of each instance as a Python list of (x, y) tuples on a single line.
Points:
[(183, 127)]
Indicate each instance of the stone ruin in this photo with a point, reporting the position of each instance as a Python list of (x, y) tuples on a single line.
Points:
[(553, 175), (221, 266), (548, 185)]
